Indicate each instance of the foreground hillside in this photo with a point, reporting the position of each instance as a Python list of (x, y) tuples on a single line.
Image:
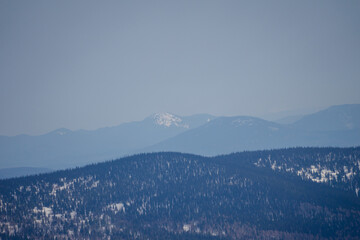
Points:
[(300, 193)]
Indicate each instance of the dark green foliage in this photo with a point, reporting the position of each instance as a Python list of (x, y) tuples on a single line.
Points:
[(183, 196)]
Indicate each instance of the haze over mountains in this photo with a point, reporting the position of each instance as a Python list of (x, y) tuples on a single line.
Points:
[(64, 148), (334, 126), (199, 134), (292, 193)]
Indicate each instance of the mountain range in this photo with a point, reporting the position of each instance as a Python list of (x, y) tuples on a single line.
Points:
[(336, 126), (63, 148), (198, 134)]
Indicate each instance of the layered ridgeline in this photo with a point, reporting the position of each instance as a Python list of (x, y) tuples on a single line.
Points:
[(338, 126), (63, 148), (300, 193)]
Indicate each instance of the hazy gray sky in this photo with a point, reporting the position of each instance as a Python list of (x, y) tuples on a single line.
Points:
[(89, 64)]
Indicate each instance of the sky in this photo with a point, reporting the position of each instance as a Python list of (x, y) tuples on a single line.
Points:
[(91, 64)]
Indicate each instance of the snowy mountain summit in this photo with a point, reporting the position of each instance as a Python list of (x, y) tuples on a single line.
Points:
[(60, 131), (168, 120)]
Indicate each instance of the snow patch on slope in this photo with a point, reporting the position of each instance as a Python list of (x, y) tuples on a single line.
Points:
[(116, 207), (168, 120), (243, 122)]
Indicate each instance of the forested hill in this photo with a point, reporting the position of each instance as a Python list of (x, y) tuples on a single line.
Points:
[(298, 193)]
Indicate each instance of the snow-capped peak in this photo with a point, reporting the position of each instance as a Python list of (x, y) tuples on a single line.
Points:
[(61, 131), (168, 119)]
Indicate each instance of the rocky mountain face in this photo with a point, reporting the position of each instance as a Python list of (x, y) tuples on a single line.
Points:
[(298, 193)]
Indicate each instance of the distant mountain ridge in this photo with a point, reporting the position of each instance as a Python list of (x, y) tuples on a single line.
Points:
[(335, 118), (224, 135), (21, 171), (337, 126), (64, 148)]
